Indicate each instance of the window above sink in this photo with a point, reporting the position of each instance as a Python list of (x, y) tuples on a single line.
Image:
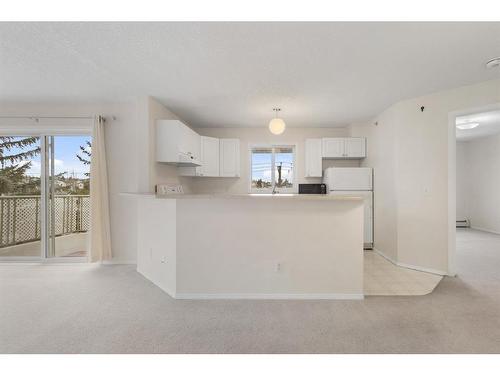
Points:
[(272, 167)]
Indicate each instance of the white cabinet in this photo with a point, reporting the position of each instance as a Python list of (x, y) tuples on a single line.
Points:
[(333, 147), (313, 157), (219, 158), (176, 143), (229, 158), (209, 157), (341, 148), (355, 147)]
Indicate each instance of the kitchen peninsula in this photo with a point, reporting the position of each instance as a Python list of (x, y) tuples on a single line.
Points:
[(253, 246)]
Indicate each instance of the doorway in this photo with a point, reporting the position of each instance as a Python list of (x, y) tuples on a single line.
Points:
[(44, 197), (473, 169), (477, 178)]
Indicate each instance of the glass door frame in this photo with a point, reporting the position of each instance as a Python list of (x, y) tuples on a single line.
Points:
[(46, 171)]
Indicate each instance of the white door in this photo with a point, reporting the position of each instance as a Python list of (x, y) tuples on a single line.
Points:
[(209, 157), (313, 155), (333, 147), (355, 147), (229, 157)]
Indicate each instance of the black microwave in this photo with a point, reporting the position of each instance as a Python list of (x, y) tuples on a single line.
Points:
[(312, 189)]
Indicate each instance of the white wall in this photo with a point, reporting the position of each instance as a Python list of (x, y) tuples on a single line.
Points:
[(462, 182), (262, 135), (157, 239), (424, 173), (478, 182), (236, 264), (381, 156)]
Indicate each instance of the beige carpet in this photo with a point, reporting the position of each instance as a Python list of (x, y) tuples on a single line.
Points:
[(112, 309)]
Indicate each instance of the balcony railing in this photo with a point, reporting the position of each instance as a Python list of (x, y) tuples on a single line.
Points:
[(20, 217)]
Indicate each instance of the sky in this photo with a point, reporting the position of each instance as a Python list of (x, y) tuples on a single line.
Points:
[(66, 148)]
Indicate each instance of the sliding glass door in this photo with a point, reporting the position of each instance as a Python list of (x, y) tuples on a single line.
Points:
[(45, 196), (68, 195), (20, 197)]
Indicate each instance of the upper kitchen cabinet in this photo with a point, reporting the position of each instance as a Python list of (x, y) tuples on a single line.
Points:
[(229, 158), (344, 148), (209, 157), (177, 144), (333, 148), (219, 158), (313, 157), (355, 147)]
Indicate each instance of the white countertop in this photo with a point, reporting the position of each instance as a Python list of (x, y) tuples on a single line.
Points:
[(280, 196)]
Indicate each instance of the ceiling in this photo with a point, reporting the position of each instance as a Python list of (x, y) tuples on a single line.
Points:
[(489, 124), (233, 74)]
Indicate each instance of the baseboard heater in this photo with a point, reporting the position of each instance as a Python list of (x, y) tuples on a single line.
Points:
[(463, 223)]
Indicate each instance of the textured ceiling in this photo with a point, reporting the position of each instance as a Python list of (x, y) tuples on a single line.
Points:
[(233, 74), (489, 124)]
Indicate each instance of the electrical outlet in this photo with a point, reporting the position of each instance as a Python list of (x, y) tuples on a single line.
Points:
[(279, 267), (169, 189), (163, 260)]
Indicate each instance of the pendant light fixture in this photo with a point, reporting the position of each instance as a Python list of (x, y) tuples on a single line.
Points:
[(277, 125)]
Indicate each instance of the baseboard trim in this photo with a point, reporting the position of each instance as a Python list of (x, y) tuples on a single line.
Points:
[(385, 256), (312, 296), (423, 269), (113, 262), (484, 230), (410, 266)]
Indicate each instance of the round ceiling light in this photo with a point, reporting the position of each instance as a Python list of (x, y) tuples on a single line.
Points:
[(493, 63), (277, 125), (468, 126)]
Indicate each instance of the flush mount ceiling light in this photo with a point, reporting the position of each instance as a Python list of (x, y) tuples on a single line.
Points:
[(493, 63), (467, 126), (277, 125)]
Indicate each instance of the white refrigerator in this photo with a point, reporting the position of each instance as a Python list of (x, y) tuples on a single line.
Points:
[(349, 181)]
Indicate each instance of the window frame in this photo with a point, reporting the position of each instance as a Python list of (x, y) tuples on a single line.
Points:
[(294, 187)]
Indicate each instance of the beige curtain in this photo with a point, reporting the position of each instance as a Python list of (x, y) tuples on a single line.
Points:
[(100, 234)]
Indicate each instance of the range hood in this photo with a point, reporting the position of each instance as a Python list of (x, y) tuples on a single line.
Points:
[(177, 144), (184, 160)]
